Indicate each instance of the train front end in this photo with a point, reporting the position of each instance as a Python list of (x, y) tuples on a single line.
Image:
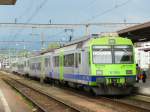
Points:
[(113, 66)]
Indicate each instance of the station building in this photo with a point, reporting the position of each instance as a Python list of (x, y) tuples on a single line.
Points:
[(7, 2)]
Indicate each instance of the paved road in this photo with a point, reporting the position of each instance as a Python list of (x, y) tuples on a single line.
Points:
[(10, 101)]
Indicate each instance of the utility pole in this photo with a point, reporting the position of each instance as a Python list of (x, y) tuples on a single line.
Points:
[(16, 20), (50, 21), (42, 41), (87, 29)]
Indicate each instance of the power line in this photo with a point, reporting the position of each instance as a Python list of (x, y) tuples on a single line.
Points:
[(64, 26), (32, 16), (19, 17), (88, 6), (109, 10), (91, 3), (26, 10), (36, 11), (29, 41)]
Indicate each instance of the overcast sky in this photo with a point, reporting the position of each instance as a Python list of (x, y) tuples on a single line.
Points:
[(69, 11)]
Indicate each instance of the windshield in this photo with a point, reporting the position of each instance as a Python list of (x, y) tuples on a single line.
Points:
[(102, 54), (123, 54), (112, 54)]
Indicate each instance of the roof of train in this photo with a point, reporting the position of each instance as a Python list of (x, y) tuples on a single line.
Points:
[(78, 43)]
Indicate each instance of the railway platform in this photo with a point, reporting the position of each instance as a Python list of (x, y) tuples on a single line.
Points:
[(10, 101), (73, 99), (144, 88)]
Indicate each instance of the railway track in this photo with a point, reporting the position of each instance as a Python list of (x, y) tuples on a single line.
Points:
[(42, 101), (141, 97), (120, 104), (138, 103), (114, 103), (128, 105)]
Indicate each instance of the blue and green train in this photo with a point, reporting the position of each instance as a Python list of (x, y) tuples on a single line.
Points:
[(104, 65)]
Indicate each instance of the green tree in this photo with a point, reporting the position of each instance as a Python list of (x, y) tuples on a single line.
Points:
[(53, 46)]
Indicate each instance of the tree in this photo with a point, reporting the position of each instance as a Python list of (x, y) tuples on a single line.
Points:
[(53, 46)]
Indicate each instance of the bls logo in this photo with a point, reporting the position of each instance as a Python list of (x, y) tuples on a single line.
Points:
[(114, 72)]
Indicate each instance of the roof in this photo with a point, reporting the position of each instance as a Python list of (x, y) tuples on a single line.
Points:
[(145, 49), (7, 2), (137, 33)]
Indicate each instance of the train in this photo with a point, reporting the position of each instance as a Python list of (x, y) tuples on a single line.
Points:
[(104, 65)]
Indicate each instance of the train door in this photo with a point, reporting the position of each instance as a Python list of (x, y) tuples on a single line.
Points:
[(51, 67), (85, 62), (61, 66), (41, 68), (77, 60)]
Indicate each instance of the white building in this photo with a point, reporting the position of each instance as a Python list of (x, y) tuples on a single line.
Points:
[(143, 57)]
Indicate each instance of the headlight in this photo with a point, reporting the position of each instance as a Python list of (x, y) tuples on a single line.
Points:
[(99, 72), (129, 72)]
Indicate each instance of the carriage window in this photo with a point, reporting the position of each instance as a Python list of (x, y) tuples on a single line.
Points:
[(69, 60), (79, 58), (32, 66), (56, 61), (38, 66), (28, 63), (47, 62), (25, 63)]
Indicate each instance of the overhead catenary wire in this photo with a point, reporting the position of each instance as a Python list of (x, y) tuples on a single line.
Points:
[(108, 10), (42, 4), (29, 41), (39, 7), (90, 4), (21, 16), (26, 10)]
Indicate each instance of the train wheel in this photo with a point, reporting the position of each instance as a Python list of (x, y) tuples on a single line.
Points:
[(87, 88)]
